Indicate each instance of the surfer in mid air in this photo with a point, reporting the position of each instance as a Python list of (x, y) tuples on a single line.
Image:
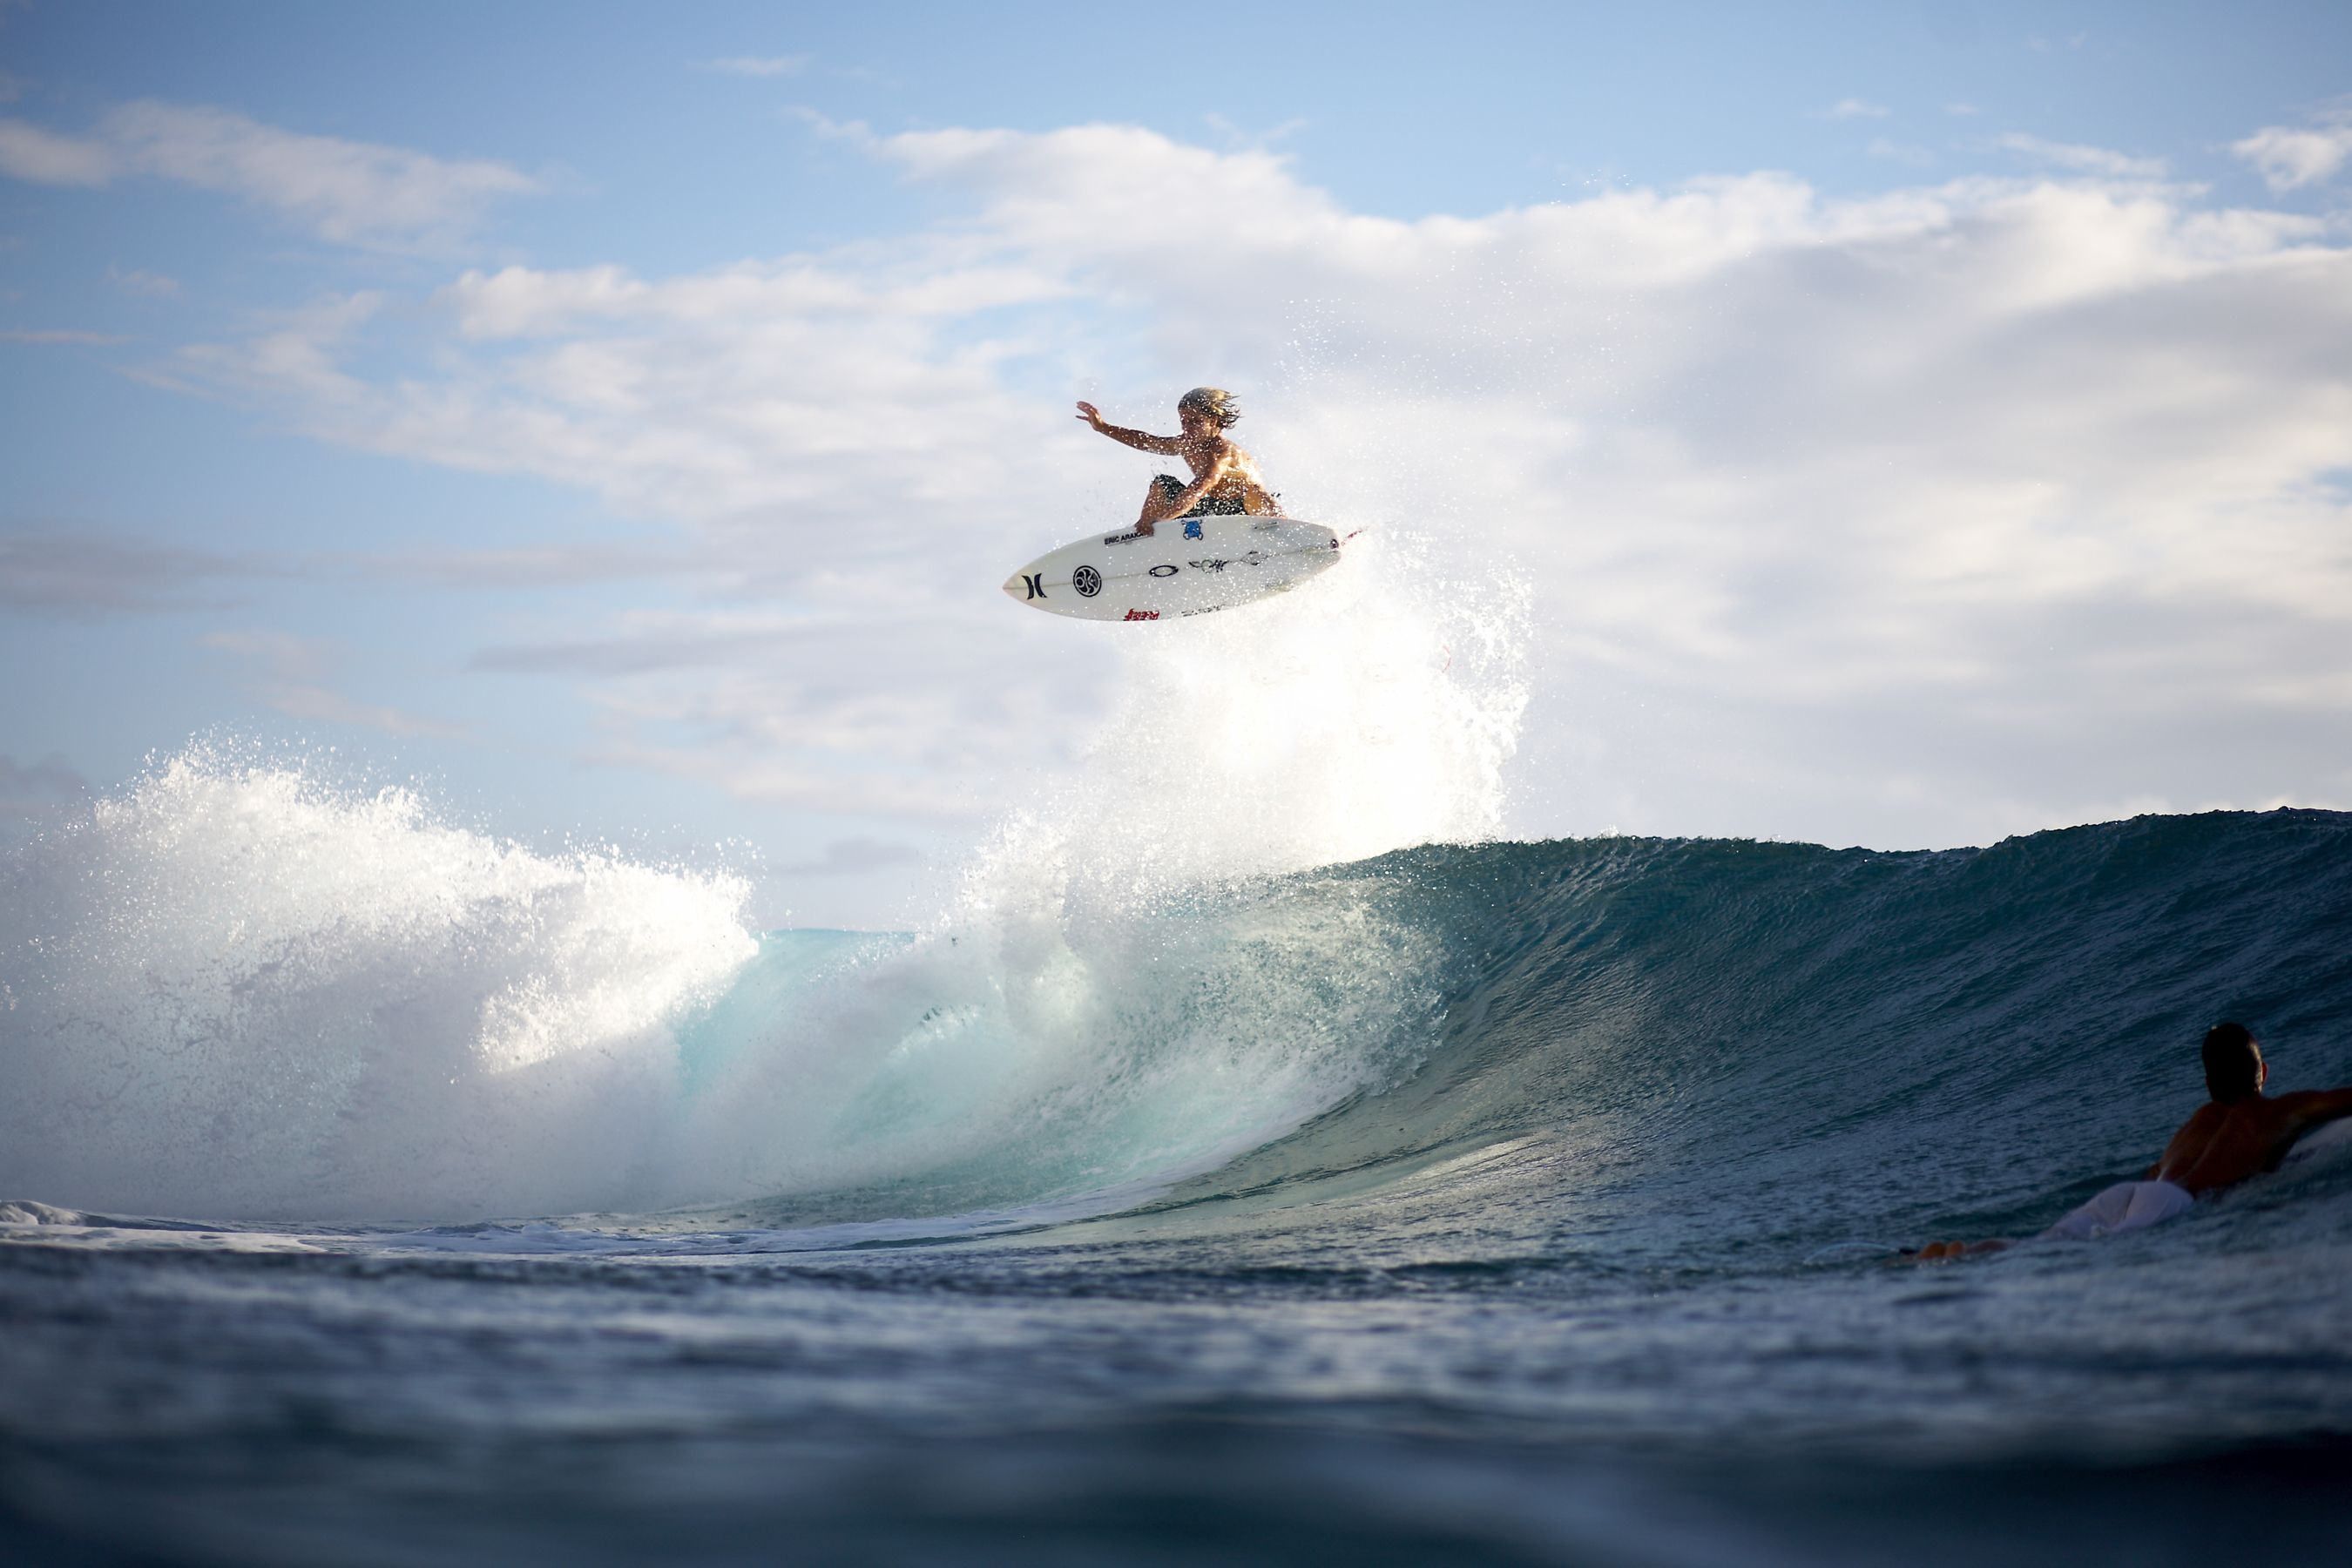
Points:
[(2235, 1135), (1226, 479)]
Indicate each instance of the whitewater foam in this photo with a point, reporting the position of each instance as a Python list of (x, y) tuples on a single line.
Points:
[(236, 990)]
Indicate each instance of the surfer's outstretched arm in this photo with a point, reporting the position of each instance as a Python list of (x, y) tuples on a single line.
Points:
[(2310, 1108), (1141, 440)]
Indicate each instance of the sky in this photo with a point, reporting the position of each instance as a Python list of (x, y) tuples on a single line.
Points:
[(1909, 425)]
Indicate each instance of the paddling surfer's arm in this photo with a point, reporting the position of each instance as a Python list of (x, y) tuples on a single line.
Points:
[(2312, 1108), (1142, 441)]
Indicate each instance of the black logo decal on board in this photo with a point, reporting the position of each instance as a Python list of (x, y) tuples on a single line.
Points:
[(1087, 580), (1035, 583), (1163, 570)]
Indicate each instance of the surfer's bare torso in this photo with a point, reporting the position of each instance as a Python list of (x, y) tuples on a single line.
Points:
[(2222, 1145), (1226, 479)]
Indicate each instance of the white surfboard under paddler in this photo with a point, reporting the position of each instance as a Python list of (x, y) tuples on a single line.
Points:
[(1186, 567)]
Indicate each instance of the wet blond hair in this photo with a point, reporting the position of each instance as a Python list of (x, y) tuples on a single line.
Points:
[(1215, 402)]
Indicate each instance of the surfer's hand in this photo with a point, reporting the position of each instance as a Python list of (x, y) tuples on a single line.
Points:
[(1087, 412)]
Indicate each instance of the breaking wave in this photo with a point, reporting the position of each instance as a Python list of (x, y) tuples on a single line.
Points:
[(236, 990)]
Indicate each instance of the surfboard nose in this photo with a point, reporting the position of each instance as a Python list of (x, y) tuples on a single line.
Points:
[(1028, 586)]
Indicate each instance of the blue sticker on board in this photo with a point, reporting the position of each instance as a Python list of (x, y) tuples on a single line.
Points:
[(1193, 530)]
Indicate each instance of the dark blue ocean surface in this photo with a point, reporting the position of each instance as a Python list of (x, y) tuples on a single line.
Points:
[(1503, 1203)]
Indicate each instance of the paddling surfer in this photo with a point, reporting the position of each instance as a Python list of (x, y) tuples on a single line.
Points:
[(2235, 1135), (1226, 479)]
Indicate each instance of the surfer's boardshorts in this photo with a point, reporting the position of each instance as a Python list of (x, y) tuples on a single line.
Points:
[(1170, 487), (2126, 1205)]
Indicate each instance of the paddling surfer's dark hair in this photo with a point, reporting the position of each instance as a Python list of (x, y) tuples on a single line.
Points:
[(1216, 403), (2233, 1069)]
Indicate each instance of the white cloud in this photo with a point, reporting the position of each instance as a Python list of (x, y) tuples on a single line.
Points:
[(297, 354), (58, 335), (1854, 108), (44, 789), (287, 655), (2081, 160), (865, 711), (847, 856), (352, 192), (760, 65), (1893, 152), (322, 705), (2290, 158), (293, 680), (541, 567), (84, 575), (29, 152), (147, 285), (1909, 519), (1238, 136)]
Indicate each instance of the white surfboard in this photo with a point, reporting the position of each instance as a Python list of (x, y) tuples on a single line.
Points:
[(1186, 567)]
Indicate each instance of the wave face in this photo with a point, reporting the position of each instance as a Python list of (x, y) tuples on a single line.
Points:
[(233, 994), (1695, 1050)]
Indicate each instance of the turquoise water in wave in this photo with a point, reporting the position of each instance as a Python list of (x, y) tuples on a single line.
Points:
[(1506, 1203)]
